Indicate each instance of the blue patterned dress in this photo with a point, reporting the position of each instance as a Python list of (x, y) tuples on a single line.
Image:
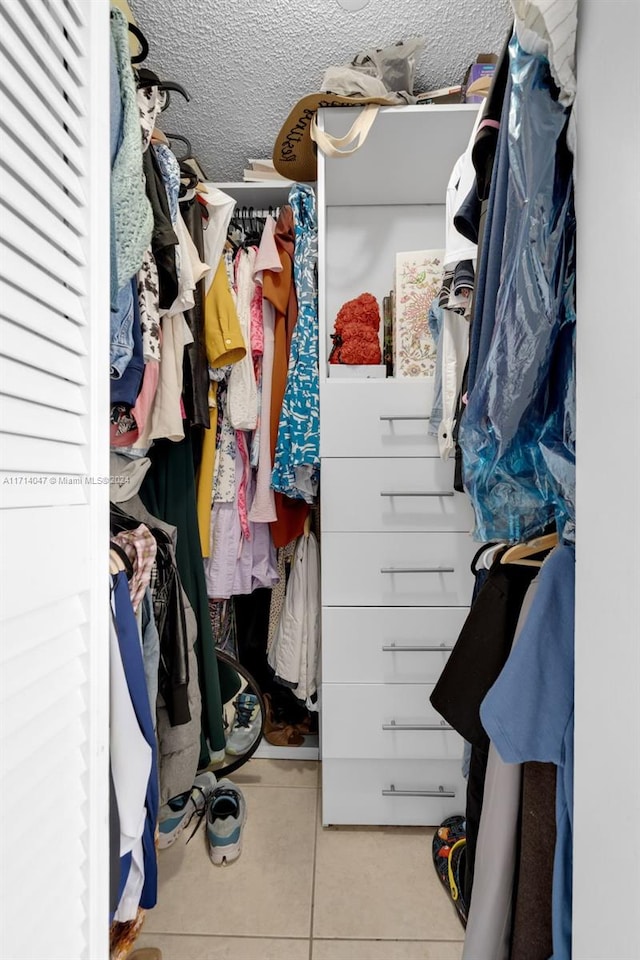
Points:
[(297, 461)]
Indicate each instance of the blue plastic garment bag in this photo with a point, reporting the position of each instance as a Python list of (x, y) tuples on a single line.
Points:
[(517, 432)]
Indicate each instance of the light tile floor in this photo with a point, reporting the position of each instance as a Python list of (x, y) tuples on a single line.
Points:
[(300, 891)]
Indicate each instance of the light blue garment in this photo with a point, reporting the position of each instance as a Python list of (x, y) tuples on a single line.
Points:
[(132, 211), (529, 712), (518, 399), (170, 170), (115, 131), (436, 324), (296, 469), (122, 333)]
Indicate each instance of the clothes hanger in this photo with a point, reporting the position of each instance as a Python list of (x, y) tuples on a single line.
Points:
[(142, 40), (171, 137), (115, 563), (521, 553), (147, 78)]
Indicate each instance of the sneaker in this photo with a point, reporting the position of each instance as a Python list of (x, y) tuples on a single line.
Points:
[(246, 725), (178, 812), (226, 817)]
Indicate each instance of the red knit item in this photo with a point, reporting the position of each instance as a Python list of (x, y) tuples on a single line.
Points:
[(356, 332)]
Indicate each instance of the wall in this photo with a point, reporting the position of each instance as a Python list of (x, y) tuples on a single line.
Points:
[(607, 745), (246, 64)]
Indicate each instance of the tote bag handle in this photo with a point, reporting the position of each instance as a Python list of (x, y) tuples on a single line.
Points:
[(344, 146)]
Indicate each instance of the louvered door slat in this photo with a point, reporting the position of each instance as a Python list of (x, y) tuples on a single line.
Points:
[(13, 47), (19, 307), (47, 156), (52, 655), (45, 286), (33, 245), (16, 380), (63, 16), (57, 40), (41, 625), (23, 19), (54, 462), (41, 184), (15, 195), (23, 455), (34, 420), (41, 352), (41, 117)]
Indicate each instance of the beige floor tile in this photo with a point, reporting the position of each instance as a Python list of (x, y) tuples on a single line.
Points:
[(385, 950), (265, 893), (379, 883), (224, 948), (277, 773)]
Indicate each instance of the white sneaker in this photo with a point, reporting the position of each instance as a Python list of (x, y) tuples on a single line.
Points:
[(246, 726), (226, 817), (178, 812)]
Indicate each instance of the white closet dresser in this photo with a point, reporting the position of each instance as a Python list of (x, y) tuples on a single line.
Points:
[(396, 549)]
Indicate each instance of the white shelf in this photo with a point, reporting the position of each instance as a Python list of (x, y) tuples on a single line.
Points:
[(407, 158), (266, 193), (308, 751)]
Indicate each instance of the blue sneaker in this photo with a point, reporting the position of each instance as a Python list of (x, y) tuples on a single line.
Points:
[(246, 726), (226, 817), (178, 812)]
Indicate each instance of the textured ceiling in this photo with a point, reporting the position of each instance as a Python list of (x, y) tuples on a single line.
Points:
[(246, 64)]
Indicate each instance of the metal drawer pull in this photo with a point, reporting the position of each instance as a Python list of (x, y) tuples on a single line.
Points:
[(422, 493), (416, 726), (404, 416), (407, 648), (440, 792), (417, 570)]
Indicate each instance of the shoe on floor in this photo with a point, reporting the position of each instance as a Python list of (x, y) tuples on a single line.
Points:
[(245, 729), (226, 817), (178, 812)]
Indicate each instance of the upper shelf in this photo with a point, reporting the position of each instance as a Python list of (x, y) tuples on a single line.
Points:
[(407, 158), (266, 193)]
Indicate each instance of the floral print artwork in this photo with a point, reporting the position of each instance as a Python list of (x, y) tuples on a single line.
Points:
[(418, 281)]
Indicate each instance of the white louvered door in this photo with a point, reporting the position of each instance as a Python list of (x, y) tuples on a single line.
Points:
[(54, 607)]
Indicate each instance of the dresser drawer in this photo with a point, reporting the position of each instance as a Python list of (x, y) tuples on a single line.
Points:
[(392, 494), (388, 644), (392, 792), (376, 418), (397, 569), (394, 721)]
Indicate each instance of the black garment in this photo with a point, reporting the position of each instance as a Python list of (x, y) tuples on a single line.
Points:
[(168, 492), (114, 848), (532, 935), (164, 239), (169, 616), (481, 650), (475, 797), (252, 631), (195, 391), (484, 148)]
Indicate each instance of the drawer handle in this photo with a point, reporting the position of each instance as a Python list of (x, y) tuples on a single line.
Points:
[(404, 416), (422, 493), (440, 792), (407, 648), (416, 726), (417, 570)]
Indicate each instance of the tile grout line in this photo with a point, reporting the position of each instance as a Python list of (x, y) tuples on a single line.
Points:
[(313, 875)]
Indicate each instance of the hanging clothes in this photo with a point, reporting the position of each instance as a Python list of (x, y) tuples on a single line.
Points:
[(505, 471), (538, 680), (135, 772), (132, 213), (293, 655), (297, 461)]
